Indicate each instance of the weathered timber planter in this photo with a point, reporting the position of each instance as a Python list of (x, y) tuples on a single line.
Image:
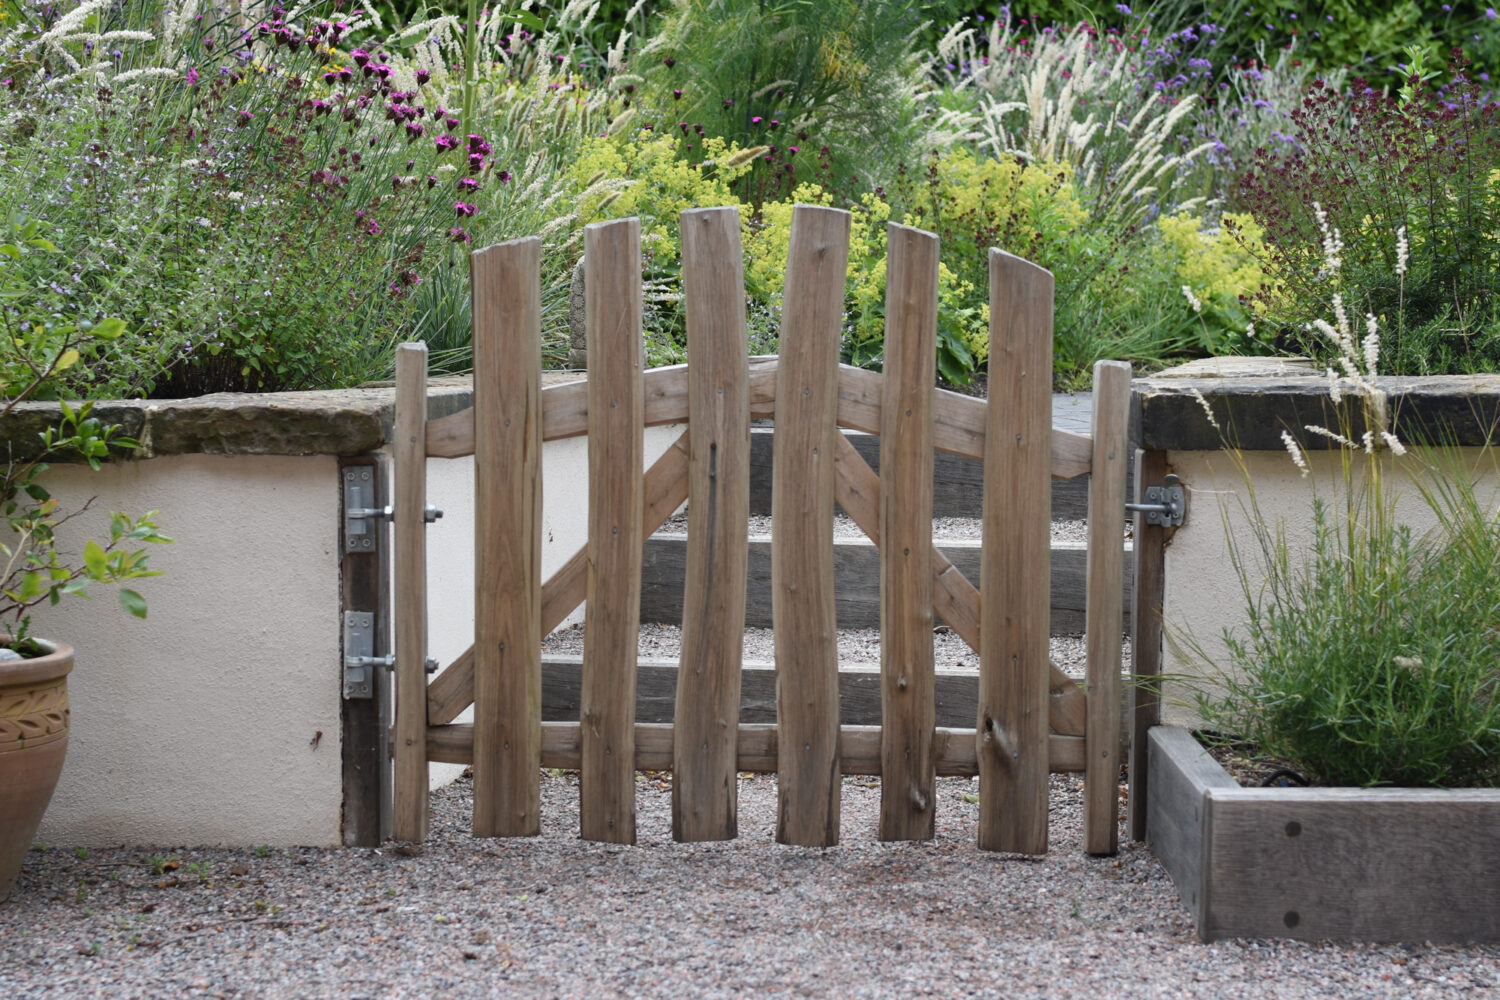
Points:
[(33, 742), (1373, 864)]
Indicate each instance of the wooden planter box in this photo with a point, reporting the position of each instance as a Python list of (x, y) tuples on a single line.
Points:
[(1383, 864)]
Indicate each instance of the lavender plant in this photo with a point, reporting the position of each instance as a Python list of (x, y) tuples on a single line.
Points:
[(1371, 659)]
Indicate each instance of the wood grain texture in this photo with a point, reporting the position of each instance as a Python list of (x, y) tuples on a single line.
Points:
[(616, 445), (409, 812), (704, 786), (665, 489), (957, 487), (856, 581), (958, 419), (1106, 570), (506, 286), (957, 692), (802, 542), (953, 596), (908, 773), (1015, 567), (1149, 557), (1181, 771), (859, 748)]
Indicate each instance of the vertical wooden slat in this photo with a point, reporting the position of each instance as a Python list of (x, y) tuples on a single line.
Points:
[(718, 548), (1149, 548), (616, 436), (908, 699), (506, 287), (802, 606), (409, 801), (1015, 566), (1105, 604)]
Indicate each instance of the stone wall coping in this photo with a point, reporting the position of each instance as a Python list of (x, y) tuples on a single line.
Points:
[(333, 422), (1255, 399)]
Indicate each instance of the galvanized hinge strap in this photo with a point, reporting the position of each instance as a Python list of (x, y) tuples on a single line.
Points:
[(359, 659), (361, 517), (1164, 505)]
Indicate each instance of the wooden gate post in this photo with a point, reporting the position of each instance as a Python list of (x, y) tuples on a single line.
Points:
[(506, 287), (1015, 565), (409, 805), (1105, 603)]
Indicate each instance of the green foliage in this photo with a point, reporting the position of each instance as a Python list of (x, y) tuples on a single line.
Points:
[(1409, 188), (833, 78), (38, 349), (1372, 659)]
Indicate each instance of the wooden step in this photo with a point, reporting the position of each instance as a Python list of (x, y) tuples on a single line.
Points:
[(957, 481), (856, 581)]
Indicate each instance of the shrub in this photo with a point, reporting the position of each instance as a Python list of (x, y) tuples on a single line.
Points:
[(1422, 165), (1373, 659)]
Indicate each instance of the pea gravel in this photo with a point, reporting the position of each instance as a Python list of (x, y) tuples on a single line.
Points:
[(554, 916)]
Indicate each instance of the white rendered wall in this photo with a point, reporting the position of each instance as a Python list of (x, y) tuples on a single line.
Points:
[(199, 726), (1204, 595), (450, 542)]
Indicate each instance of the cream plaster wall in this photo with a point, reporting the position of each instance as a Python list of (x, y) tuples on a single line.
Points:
[(450, 542), (1204, 595), (199, 725)]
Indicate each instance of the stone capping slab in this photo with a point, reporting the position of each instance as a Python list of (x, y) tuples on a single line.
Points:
[(1316, 864), (333, 422), (1255, 399)]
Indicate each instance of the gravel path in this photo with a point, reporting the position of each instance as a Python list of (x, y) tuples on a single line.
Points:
[(554, 916)]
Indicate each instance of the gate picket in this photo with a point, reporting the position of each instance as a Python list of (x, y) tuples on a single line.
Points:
[(704, 789), (616, 448), (1015, 567), (908, 695), (802, 607), (506, 283)]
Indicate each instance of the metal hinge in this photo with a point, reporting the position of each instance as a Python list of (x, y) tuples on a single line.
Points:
[(359, 659), (360, 516), (1165, 505)]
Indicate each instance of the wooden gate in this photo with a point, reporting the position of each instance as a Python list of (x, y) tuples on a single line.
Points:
[(1031, 718)]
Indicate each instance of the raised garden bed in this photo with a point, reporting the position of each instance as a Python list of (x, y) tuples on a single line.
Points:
[(1376, 864)]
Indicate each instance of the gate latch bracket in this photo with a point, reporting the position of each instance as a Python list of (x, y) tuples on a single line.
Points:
[(1166, 505), (359, 659), (360, 516)]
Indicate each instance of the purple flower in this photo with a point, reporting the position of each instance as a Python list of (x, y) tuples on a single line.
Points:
[(676, 95), (445, 143), (1122, 9), (360, 57), (245, 117), (332, 76), (346, 74), (457, 235), (414, 131), (504, 177), (476, 162), (755, 119), (374, 228), (478, 145), (423, 76), (451, 121), (1489, 12), (468, 185), (191, 76), (463, 209)]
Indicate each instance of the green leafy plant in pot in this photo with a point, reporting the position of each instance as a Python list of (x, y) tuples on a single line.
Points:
[(38, 349)]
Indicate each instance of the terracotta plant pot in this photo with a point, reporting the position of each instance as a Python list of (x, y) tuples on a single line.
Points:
[(33, 740)]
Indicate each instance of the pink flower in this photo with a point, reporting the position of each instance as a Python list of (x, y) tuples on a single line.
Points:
[(191, 76), (423, 76), (360, 57), (445, 143), (458, 235), (463, 209), (468, 185)]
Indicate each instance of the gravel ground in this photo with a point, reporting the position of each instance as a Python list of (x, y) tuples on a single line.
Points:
[(554, 916)]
